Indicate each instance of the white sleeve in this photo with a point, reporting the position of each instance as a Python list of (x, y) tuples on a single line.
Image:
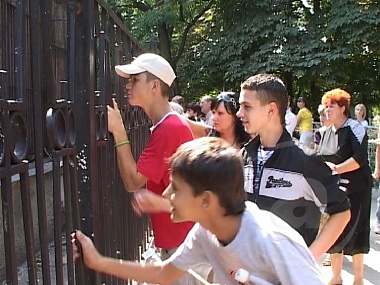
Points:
[(191, 252), (293, 263), (290, 124)]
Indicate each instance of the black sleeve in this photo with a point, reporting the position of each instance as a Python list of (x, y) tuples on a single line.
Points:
[(359, 149), (325, 186)]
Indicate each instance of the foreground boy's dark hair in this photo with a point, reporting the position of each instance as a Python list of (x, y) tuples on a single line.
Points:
[(211, 164)]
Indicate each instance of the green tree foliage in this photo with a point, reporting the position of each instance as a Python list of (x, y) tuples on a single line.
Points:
[(247, 37), (313, 45), (353, 28), (216, 44), (167, 25)]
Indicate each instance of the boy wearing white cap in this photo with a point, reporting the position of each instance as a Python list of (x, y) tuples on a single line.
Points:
[(149, 79)]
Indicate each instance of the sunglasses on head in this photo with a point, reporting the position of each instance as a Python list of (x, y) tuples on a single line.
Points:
[(227, 97)]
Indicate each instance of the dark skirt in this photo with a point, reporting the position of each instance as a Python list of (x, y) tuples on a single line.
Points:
[(355, 237)]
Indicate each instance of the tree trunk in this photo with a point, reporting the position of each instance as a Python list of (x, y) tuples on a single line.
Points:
[(165, 50), (288, 80)]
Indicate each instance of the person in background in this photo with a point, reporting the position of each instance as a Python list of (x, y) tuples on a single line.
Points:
[(279, 176), (360, 114), (176, 107), (193, 111), (179, 100), (376, 175), (207, 187), (304, 123), (226, 124), (324, 124), (376, 121), (206, 108), (149, 78), (290, 119), (344, 148), (317, 139)]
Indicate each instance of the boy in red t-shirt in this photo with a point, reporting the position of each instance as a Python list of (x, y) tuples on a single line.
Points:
[(149, 78)]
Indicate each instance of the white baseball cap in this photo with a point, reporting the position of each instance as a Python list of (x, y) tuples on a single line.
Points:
[(150, 62)]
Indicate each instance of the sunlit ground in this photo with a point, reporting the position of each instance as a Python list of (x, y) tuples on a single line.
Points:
[(371, 260)]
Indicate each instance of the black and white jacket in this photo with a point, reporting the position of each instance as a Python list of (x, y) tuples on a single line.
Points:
[(294, 186), (350, 140)]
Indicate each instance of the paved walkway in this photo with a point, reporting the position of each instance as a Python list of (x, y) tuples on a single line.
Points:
[(371, 260)]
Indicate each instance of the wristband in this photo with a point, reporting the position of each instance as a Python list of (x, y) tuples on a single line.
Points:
[(122, 143)]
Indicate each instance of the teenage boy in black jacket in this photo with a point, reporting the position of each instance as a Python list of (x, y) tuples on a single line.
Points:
[(279, 176)]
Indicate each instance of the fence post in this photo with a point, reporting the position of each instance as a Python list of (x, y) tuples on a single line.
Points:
[(84, 82)]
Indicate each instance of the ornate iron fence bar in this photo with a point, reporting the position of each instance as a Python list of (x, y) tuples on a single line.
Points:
[(28, 225), (36, 78), (56, 80), (99, 41)]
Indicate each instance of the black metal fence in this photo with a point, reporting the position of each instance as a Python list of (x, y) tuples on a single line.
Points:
[(57, 162)]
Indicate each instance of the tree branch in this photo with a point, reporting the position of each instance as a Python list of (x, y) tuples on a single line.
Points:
[(126, 6), (181, 16), (141, 5), (306, 8), (187, 29)]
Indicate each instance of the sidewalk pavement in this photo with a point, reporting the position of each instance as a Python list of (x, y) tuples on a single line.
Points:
[(371, 260)]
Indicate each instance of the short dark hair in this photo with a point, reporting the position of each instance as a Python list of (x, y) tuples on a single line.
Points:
[(195, 107), (164, 87), (269, 89), (213, 103), (303, 100), (211, 164)]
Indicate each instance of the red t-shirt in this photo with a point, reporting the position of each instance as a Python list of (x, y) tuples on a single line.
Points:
[(166, 137)]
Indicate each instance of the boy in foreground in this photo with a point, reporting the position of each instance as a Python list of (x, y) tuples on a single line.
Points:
[(207, 187)]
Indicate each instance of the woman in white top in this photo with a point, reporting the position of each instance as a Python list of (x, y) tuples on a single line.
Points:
[(360, 114)]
